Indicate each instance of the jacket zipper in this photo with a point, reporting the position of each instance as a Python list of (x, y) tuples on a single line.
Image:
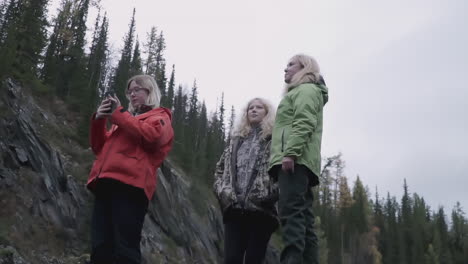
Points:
[(282, 141)]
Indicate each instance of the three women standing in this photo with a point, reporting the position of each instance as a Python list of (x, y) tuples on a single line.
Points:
[(123, 177)]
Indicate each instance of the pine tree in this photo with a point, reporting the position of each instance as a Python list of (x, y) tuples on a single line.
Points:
[(359, 223), (23, 36), (65, 61), (221, 126), (97, 60), (96, 72), (58, 45), (459, 235), (76, 64), (360, 210), (160, 61), (151, 52), (192, 120), (345, 202), (180, 104), (441, 226), (392, 254), (169, 99), (406, 225), (122, 72), (135, 64), (231, 123), (201, 158), (419, 231), (379, 222), (325, 209), (8, 33)]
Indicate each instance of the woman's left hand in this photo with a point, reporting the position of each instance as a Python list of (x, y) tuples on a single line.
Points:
[(115, 100), (288, 164)]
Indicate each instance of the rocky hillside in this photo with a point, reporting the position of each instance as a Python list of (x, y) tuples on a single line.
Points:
[(45, 207)]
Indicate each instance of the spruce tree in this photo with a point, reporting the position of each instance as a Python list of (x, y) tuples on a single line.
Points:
[(201, 157), (459, 235), (169, 99), (160, 62), (98, 60), (151, 52), (76, 63), (135, 64), (122, 72), (23, 36), (58, 44), (231, 123), (441, 226), (420, 230), (406, 225)]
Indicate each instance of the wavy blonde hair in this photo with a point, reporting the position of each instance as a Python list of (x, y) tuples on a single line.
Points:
[(243, 127), (310, 72), (147, 82)]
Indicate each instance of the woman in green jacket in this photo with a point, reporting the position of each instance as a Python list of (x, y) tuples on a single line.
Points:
[(295, 156)]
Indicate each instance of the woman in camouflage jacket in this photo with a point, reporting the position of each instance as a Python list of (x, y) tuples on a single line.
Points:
[(245, 191)]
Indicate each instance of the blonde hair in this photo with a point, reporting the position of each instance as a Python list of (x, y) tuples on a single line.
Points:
[(243, 127), (147, 82), (310, 72)]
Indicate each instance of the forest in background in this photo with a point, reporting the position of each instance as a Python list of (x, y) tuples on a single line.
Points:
[(60, 62)]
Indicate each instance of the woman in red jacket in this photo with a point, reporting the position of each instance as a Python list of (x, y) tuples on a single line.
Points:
[(123, 176)]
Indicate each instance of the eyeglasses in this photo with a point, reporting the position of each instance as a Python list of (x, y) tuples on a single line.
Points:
[(135, 90)]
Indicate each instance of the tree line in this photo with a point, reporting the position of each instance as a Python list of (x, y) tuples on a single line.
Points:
[(356, 228), (54, 58)]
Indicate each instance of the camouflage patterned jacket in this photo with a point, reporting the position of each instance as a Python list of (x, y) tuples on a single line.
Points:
[(262, 192)]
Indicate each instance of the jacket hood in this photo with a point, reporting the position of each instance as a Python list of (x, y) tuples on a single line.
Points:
[(164, 110), (324, 91), (158, 110)]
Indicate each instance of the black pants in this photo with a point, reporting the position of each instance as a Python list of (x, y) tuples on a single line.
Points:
[(297, 218), (246, 236), (119, 212)]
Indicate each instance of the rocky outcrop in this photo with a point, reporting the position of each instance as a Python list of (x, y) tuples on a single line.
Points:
[(45, 208)]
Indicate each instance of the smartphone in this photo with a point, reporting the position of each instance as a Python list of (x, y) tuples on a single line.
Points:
[(113, 105)]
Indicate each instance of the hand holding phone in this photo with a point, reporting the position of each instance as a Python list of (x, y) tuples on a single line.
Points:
[(104, 109), (113, 104)]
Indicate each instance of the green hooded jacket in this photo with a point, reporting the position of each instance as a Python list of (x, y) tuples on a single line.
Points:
[(298, 127)]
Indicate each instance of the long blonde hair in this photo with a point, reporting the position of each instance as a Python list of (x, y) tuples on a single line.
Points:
[(243, 127), (310, 72), (147, 82)]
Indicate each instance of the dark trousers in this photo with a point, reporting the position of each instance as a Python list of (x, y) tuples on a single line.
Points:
[(297, 219), (117, 221), (246, 236)]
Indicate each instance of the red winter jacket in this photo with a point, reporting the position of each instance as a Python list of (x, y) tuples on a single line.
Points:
[(133, 149)]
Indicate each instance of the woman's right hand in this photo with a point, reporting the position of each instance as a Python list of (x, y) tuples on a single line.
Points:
[(103, 110)]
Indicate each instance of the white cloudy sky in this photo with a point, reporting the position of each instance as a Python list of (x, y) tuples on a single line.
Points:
[(396, 71)]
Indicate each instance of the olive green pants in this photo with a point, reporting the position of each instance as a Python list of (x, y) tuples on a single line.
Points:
[(297, 219)]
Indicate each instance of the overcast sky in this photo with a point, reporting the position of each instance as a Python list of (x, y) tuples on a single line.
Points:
[(396, 71)]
